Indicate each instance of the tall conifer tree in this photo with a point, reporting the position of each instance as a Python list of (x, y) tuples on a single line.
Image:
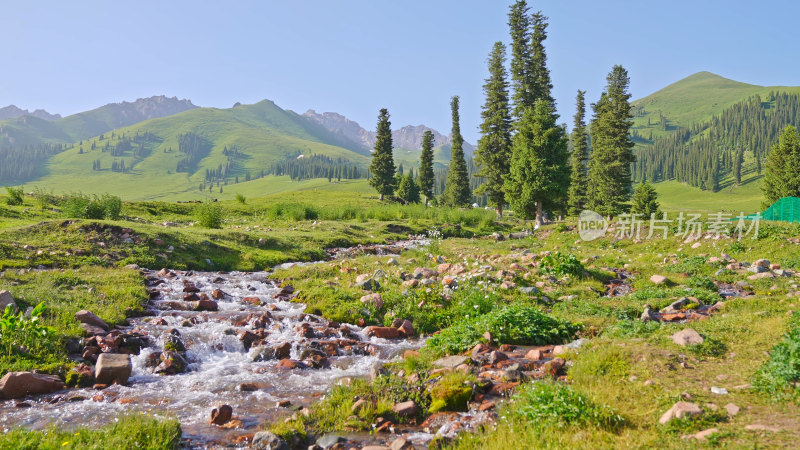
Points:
[(457, 192), (580, 154), (426, 175), (612, 147), (382, 167), (493, 155), (782, 178), (539, 174)]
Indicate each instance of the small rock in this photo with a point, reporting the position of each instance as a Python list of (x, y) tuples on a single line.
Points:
[(718, 390), (497, 356), (89, 318), (373, 299), (221, 415), (20, 384), (329, 440), (680, 410), (450, 362), (732, 409), (5, 300), (687, 337), (359, 405), (382, 332), (206, 305), (658, 279), (759, 427), (400, 444), (406, 329), (392, 262), (702, 435), (534, 355), (407, 409), (265, 440)]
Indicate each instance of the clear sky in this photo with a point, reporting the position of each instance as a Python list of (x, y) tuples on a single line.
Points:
[(356, 56)]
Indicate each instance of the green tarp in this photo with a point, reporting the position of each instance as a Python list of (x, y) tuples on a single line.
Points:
[(786, 209)]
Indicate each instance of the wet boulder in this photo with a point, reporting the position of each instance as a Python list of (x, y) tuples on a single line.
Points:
[(173, 342), (382, 332), (20, 384), (265, 440), (206, 305), (262, 353), (221, 415), (172, 363), (283, 351), (113, 368)]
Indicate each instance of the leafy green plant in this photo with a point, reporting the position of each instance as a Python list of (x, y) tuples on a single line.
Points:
[(515, 324), (552, 403), (558, 264), (780, 375), (21, 334), (434, 241), (82, 206), (14, 195), (209, 215), (702, 282), (241, 199)]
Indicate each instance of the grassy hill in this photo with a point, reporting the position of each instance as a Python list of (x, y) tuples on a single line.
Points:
[(693, 99), (263, 134)]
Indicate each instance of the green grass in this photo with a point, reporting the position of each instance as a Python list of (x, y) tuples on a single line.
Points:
[(129, 431)]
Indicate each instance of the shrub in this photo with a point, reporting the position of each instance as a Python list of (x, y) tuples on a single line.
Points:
[(241, 199), (558, 264), (780, 375), (451, 393), (209, 215), (23, 335), (14, 195), (515, 324), (551, 403), (82, 206)]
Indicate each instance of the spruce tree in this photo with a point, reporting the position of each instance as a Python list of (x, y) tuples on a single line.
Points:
[(456, 191), (609, 185), (493, 155), (407, 190), (539, 174), (782, 177), (530, 77), (382, 167), (426, 175), (645, 201), (580, 154)]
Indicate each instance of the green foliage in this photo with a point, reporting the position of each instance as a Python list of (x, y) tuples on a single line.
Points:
[(457, 192), (539, 175), (493, 155), (601, 361), (91, 207), (709, 348), (426, 175), (782, 178), (407, 189), (514, 324), (128, 431), (558, 264), (556, 404), (382, 168), (209, 214), (14, 195), (26, 335), (451, 393), (612, 147), (645, 201), (780, 375), (576, 195)]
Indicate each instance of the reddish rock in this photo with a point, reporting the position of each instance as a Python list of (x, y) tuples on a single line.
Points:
[(158, 321), (283, 351), (534, 355), (486, 406), (20, 384), (87, 317), (113, 368), (191, 297), (410, 354), (406, 329), (255, 301), (554, 366), (248, 338), (290, 364), (206, 305), (406, 409), (221, 415), (497, 356), (217, 294), (383, 332)]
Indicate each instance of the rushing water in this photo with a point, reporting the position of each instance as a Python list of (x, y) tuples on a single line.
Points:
[(219, 363)]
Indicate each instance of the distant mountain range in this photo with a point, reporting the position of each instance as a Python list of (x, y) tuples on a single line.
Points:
[(408, 137), (11, 112)]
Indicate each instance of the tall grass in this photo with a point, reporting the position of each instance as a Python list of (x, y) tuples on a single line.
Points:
[(299, 211)]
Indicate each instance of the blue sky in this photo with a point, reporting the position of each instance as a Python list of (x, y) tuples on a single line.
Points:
[(354, 57)]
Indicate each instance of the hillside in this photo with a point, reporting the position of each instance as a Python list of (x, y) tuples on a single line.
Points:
[(12, 111), (693, 99), (176, 156)]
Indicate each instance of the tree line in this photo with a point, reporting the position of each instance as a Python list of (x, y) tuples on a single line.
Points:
[(523, 157)]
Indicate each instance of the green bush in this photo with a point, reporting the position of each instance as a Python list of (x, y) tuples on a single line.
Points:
[(209, 215), (556, 404), (558, 264), (82, 206), (26, 336), (14, 195), (241, 199), (780, 375), (515, 324)]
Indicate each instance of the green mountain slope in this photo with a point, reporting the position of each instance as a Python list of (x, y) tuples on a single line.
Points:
[(262, 134), (693, 99)]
